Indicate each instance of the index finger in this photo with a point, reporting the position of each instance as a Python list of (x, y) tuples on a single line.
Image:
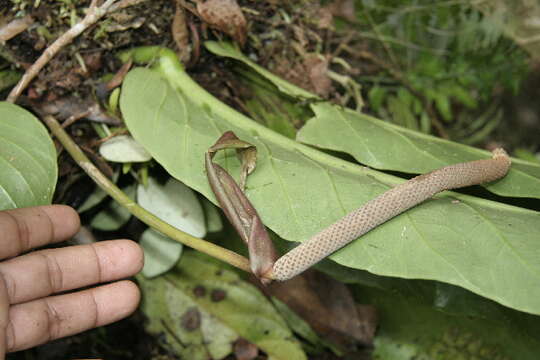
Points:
[(27, 228)]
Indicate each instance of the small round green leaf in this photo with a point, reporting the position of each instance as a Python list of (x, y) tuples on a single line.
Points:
[(123, 149), (160, 252), (115, 215), (174, 203)]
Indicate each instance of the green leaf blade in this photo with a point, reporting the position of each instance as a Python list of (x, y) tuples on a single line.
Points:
[(28, 168), (385, 146), (472, 239), (298, 191), (160, 253), (222, 294)]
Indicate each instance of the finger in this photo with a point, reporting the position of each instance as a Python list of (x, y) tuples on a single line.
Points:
[(46, 272), (50, 318), (27, 228), (4, 317)]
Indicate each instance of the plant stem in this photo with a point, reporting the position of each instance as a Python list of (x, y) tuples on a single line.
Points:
[(148, 218)]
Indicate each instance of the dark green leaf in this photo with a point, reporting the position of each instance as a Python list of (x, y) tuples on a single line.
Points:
[(385, 146), (28, 168), (487, 247)]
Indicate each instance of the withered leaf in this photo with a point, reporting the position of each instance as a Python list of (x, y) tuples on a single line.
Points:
[(343, 8), (245, 151), (328, 306), (317, 69), (226, 16), (237, 206), (180, 33)]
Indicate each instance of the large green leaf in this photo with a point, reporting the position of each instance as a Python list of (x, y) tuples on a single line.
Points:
[(28, 168), (487, 247), (386, 146), (410, 330), (416, 314), (212, 293)]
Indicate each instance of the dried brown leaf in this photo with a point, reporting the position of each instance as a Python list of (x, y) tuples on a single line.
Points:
[(328, 306), (236, 206), (226, 16), (325, 18), (180, 33), (72, 107), (118, 78), (317, 69), (343, 8)]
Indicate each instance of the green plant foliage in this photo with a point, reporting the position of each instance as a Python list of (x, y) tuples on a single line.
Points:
[(448, 52), (97, 196), (212, 216), (123, 149), (385, 146), (160, 252), (28, 169), (382, 145), (227, 49), (8, 78), (312, 342), (411, 331), (417, 315), (202, 308), (174, 203), (114, 215), (486, 247), (268, 107)]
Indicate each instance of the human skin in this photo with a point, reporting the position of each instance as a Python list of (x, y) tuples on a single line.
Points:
[(30, 312)]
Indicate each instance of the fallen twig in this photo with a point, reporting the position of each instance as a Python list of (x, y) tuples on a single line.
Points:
[(94, 14)]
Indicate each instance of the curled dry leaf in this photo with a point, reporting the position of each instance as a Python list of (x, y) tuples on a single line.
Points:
[(180, 33), (226, 16), (70, 107), (343, 8), (236, 205), (317, 68), (119, 76), (325, 18)]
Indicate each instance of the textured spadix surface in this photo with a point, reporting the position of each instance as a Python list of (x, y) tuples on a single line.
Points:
[(387, 205)]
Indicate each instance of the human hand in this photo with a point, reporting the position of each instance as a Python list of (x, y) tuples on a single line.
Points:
[(29, 314)]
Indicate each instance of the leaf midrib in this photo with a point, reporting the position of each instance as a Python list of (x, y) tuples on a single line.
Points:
[(197, 94)]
